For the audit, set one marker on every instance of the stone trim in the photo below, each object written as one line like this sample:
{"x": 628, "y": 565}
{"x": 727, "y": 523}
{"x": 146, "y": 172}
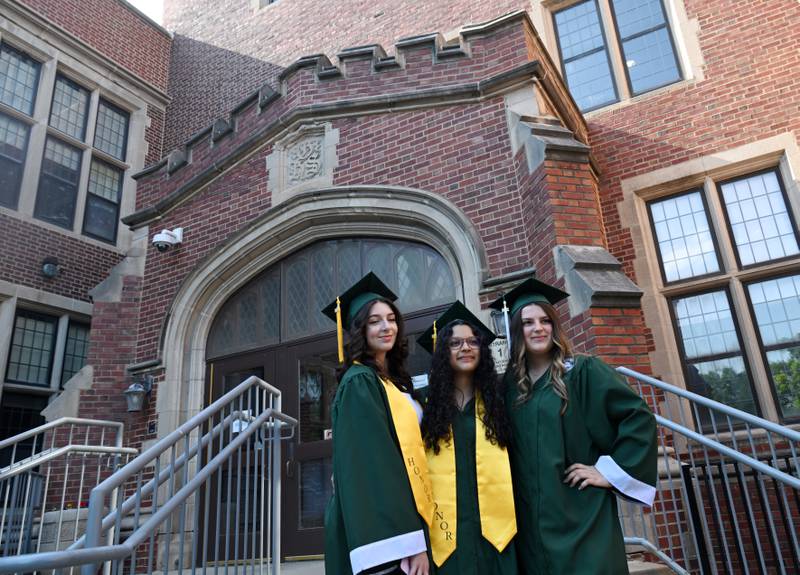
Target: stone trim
{"x": 390, "y": 212}
{"x": 553, "y": 97}
{"x": 302, "y": 160}
{"x": 594, "y": 278}
{"x": 461, "y": 94}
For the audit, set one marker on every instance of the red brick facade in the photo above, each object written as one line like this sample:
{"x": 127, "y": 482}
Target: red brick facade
{"x": 218, "y": 61}
{"x": 751, "y": 91}
{"x": 83, "y": 265}
{"x": 115, "y": 30}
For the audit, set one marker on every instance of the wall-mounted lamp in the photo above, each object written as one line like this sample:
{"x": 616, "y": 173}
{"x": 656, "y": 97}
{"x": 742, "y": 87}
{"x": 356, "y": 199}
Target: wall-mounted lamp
{"x": 136, "y": 392}
{"x": 498, "y": 323}
{"x": 50, "y": 267}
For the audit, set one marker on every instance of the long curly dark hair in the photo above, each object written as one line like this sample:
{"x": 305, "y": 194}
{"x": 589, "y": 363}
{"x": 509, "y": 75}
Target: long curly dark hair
{"x": 440, "y": 408}
{"x": 358, "y": 350}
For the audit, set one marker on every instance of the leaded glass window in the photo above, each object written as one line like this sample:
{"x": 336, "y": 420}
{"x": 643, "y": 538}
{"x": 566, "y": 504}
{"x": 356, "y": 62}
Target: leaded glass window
{"x": 684, "y": 237}
{"x": 19, "y": 79}
{"x": 32, "y": 343}
{"x": 111, "y": 132}
{"x": 584, "y": 56}
{"x": 58, "y": 183}
{"x": 713, "y": 359}
{"x": 75, "y": 350}
{"x": 648, "y": 52}
{"x": 102, "y": 201}
{"x": 760, "y": 223}
{"x": 70, "y": 108}
{"x": 284, "y": 303}
{"x": 13, "y": 147}
{"x": 776, "y": 307}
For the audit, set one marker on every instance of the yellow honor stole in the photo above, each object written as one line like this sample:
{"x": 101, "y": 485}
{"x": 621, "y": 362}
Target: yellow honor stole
{"x": 406, "y": 426}
{"x": 495, "y": 493}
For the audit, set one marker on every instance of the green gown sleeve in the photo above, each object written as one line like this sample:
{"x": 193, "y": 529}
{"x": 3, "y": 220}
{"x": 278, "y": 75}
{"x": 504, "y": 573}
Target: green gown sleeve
{"x": 622, "y": 426}
{"x": 378, "y": 512}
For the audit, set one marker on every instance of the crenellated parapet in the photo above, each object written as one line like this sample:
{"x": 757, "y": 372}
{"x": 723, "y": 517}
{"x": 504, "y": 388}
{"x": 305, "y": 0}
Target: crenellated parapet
{"x": 484, "y": 61}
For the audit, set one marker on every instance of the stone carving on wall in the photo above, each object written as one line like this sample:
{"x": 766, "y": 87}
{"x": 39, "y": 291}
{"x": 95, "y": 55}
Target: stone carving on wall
{"x": 305, "y": 160}
{"x": 301, "y": 160}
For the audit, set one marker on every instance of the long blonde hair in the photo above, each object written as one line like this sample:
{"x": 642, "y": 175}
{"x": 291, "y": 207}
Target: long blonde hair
{"x": 560, "y": 353}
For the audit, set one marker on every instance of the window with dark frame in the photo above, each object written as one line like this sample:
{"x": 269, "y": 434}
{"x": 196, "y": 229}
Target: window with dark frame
{"x": 13, "y": 149}
{"x": 711, "y": 350}
{"x": 761, "y": 230}
{"x": 63, "y": 168}
{"x": 686, "y": 243}
{"x": 19, "y": 81}
{"x": 30, "y": 358}
{"x": 70, "y": 108}
{"x": 584, "y": 55}
{"x": 641, "y": 30}
{"x": 58, "y": 183}
{"x": 648, "y": 51}
{"x": 775, "y": 306}
{"x": 761, "y": 226}
{"x": 76, "y": 349}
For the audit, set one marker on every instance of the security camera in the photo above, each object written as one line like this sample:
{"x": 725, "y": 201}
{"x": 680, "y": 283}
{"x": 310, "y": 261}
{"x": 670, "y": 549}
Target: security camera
{"x": 165, "y": 239}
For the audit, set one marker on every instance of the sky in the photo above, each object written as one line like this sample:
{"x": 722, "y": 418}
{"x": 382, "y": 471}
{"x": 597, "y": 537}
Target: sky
{"x": 153, "y": 8}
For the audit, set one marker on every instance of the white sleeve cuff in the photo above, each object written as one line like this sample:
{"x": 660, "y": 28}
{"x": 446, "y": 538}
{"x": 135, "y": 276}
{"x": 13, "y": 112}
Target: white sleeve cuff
{"x": 386, "y": 550}
{"x": 624, "y": 483}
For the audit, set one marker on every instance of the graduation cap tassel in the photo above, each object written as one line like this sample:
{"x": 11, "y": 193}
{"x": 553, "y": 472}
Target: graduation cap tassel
{"x": 339, "y": 335}
{"x": 508, "y": 328}
{"x": 433, "y": 337}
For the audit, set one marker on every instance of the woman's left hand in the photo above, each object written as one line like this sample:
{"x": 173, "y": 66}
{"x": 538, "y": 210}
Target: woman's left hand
{"x": 584, "y": 476}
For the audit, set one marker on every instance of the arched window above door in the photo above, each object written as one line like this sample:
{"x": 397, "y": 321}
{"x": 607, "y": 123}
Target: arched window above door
{"x": 283, "y": 303}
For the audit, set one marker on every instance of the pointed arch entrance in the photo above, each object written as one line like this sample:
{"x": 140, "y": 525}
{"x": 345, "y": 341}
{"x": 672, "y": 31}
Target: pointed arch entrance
{"x": 396, "y": 217}
{"x": 273, "y": 328}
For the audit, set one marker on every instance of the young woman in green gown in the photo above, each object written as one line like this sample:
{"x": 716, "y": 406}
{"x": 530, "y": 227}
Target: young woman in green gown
{"x": 581, "y": 437}
{"x": 376, "y": 521}
{"x": 466, "y": 431}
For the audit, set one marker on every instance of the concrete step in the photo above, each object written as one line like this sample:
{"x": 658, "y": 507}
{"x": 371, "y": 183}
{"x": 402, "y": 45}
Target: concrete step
{"x": 318, "y": 568}
{"x": 303, "y": 568}
{"x": 639, "y": 567}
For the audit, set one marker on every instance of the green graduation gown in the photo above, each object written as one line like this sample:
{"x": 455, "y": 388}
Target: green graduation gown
{"x": 473, "y": 555}
{"x": 564, "y": 531}
{"x": 372, "y": 518}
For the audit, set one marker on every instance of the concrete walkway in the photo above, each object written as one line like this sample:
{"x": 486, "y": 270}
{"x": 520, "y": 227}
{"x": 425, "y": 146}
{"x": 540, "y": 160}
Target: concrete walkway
{"x": 303, "y": 568}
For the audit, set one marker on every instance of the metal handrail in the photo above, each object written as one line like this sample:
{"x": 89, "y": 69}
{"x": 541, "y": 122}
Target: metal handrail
{"x": 759, "y": 466}
{"x": 8, "y": 442}
{"x": 51, "y": 454}
{"x": 713, "y": 498}
{"x": 98, "y": 554}
{"x": 711, "y": 404}
{"x": 164, "y": 475}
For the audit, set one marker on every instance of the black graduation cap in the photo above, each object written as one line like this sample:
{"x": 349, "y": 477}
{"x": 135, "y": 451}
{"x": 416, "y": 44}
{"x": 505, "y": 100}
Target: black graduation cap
{"x": 528, "y": 292}
{"x": 458, "y": 310}
{"x": 345, "y": 307}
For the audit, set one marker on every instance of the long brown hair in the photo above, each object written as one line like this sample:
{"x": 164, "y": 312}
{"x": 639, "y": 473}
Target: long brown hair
{"x": 394, "y": 367}
{"x": 560, "y": 352}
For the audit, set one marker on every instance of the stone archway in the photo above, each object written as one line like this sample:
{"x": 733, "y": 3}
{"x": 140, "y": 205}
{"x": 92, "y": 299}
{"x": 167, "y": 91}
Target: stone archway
{"x": 352, "y": 211}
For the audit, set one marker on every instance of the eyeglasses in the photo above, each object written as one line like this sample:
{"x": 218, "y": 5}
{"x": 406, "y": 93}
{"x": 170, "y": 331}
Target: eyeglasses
{"x": 456, "y": 342}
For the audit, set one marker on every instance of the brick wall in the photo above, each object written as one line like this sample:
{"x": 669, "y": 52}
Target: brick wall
{"x": 751, "y": 91}
{"x": 115, "y": 30}
{"x": 32, "y": 243}
{"x": 225, "y": 49}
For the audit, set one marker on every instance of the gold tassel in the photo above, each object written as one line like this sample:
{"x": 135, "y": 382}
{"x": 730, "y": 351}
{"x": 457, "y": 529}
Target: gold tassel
{"x": 433, "y": 337}
{"x": 339, "y": 335}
